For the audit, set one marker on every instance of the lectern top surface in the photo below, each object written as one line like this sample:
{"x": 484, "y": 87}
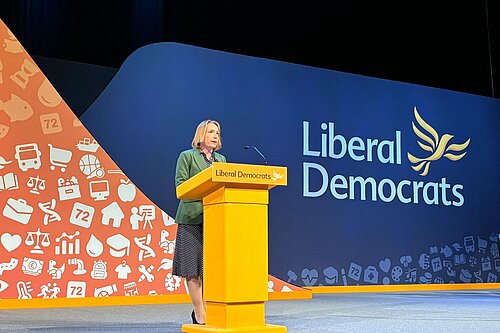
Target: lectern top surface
{"x": 232, "y": 175}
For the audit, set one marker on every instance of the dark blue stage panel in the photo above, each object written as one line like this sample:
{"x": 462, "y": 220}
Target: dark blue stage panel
{"x": 389, "y": 183}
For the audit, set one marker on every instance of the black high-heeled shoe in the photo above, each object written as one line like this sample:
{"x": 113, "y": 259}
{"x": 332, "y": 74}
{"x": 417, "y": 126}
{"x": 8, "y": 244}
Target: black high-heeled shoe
{"x": 193, "y": 317}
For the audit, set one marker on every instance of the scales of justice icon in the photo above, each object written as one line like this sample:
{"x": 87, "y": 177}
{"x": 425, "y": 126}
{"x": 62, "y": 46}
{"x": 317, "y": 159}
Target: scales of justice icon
{"x": 36, "y": 184}
{"x": 42, "y": 238}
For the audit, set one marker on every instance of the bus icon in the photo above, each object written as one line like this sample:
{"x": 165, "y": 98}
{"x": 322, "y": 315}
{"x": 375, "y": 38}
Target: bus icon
{"x": 28, "y": 156}
{"x": 469, "y": 244}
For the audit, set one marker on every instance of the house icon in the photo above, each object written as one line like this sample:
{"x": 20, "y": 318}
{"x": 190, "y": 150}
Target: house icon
{"x": 113, "y": 214}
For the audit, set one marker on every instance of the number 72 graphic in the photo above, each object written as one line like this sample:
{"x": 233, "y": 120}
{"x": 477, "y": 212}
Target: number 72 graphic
{"x": 81, "y": 215}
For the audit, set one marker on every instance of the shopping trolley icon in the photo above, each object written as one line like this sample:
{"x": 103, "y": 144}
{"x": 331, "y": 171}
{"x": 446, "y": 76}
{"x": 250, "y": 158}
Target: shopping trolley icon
{"x": 59, "y": 158}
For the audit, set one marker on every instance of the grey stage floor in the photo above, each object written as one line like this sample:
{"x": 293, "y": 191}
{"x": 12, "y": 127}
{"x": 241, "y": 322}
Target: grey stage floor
{"x": 454, "y": 311}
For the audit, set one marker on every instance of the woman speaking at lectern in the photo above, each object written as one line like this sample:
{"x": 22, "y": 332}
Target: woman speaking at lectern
{"x": 188, "y": 256}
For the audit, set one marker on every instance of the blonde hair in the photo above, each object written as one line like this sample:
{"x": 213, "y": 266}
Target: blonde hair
{"x": 201, "y": 130}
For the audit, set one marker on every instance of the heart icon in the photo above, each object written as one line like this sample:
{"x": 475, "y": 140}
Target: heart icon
{"x": 10, "y": 242}
{"x": 309, "y": 277}
{"x": 385, "y": 264}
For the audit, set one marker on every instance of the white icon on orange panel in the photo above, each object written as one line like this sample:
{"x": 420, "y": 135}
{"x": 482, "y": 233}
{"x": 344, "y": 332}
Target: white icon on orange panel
{"x": 77, "y": 122}
{"x": 94, "y": 247}
{"x": 91, "y": 166}
{"x": 119, "y": 246}
{"x": 130, "y": 289}
{"x": 11, "y": 44}
{"x": 24, "y": 290}
{"x": 167, "y": 219}
{"x": 67, "y": 244}
{"x": 116, "y": 171}
{"x": 126, "y": 190}
{"x": 81, "y": 215}
{"x": 47, "y": 95}
{"x": 10, "y": 242}
{"x": 16, "y": 108}
{"x": 36, "y": 184}
{"x": 99, "y": 270}
{"x": 172, "y": 282}
{"x": 38, "y": 239}
{"x": 149, "y": 214}
{"x": 59, "y": 157}
{"x": 50, "y": 214}
{"x": 145, "y": 250}
{"x": 3, "y": 285}
{"x": 4, "y": 129}
{"x": 50, "y": 123}
{"x": 68, "y": 189}
{"x": 8, "y": 266}
{"x": 80, "y": 266}
{"x": 123, "y": 270}
{"x": 167, "y": 245}
{"x": 99, "y": 189}
{"x": 8, "y": 182}
{"x": 112, "y": 214}
{"x": 87, "y": 145}
{"x": 32, "y": 266}
{"x": 22, "y": 76}
{"x": 3, "y": 161}
{"x": 105, "y": 291}
{"x": 18, "y": 210}
{"x": 49, "y": 291}
{"x": 54, "y": 271}
{"x": 28, "y": 156}
{"x": 270, "y": 286}
{"x": 135, "y": 218}
{"x": 76, "y": 289}
{"x": 166, "y": 264}
{"x": 146, "y": 273}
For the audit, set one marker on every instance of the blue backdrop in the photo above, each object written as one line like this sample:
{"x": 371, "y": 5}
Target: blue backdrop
{"x": 355, "y": 211}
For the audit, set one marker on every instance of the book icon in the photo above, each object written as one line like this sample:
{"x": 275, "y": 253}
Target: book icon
{"x": 8, "y": 182}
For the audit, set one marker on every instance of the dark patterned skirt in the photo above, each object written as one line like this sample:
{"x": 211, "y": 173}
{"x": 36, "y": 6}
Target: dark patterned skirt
{"x": 188, "y": 255}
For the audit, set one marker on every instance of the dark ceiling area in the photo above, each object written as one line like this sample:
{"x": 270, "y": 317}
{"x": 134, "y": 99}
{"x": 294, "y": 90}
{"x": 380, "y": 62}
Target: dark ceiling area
{"x": 444, "y": 44}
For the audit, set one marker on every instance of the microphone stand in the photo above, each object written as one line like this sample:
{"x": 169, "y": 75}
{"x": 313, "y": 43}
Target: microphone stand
{"x": 258, "y": 152}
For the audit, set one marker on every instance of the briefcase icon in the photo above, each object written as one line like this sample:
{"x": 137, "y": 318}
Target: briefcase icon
{"x": 18, "y": 210}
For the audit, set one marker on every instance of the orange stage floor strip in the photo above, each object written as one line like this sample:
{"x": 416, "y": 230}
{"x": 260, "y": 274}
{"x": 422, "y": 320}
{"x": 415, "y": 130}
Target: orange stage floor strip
{"x": 302, "y": 294}
{"x": 184, "y": 298}
{"x": 401, "y": 287}
{"x": 124, "y": 300}
{"x": 92, "y": 301}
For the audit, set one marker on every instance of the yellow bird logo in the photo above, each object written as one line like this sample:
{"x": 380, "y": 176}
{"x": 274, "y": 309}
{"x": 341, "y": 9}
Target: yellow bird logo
{"x": 438, "y": 146}
{"x": 276, "y": 176}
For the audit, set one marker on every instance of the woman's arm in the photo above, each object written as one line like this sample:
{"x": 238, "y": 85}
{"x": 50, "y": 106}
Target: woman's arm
{"x": 182, "y": 169}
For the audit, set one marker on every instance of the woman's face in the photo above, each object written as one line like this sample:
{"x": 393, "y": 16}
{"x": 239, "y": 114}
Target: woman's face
{"x": 211, "y": 139}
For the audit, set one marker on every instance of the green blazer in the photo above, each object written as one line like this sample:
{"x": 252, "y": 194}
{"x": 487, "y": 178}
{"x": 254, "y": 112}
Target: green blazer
{"x": 189, "y": 163}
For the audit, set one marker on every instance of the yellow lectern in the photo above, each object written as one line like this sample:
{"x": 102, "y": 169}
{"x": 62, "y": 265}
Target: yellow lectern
{"x": 235, "y": 198}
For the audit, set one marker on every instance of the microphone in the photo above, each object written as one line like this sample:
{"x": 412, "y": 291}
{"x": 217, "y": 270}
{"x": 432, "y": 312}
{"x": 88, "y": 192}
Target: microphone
{"x": 212, "y": 152}
{"x": 258, "y": 151}
{"x": 201, "y": 143}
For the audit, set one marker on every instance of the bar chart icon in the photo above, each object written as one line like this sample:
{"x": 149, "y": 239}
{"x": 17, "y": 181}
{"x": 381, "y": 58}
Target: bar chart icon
{"x": 68, "y": 244}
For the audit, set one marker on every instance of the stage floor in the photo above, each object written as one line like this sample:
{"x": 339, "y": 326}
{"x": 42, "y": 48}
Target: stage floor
{"x": 409, "y": 312}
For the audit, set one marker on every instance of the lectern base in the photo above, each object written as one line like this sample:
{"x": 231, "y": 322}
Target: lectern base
{"x": 190, "y": 328}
